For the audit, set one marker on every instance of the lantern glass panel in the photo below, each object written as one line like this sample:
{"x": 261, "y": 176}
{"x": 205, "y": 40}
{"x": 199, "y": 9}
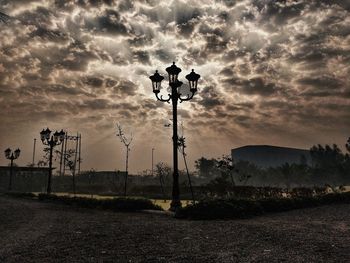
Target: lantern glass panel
{"x": 156, "y": 86}
{"x": 173, "y": 72}
{"x": 55, "y": 136}
{"x": 47, "y": 133}
{"x": 62, "y": 135}
{"x": 193, "y": 85}
{"x": 172, "y": 78}
{"x": 42, "y": 135}
{"x": 7, "y": 152}
{"x": 17, "y": 153}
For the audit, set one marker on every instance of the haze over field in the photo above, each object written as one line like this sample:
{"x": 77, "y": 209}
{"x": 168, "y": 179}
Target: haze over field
{"x": 272, "y": 72}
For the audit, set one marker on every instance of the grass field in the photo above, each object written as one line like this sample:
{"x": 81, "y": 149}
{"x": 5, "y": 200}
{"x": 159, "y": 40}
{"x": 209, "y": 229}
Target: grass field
{"x": 165, "y": 204}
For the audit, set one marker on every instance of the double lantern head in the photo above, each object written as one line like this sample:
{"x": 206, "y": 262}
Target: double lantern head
{"x": 57, "y": 136}
{"x": 45, "y": 134}
{"x": 12, "y": 155}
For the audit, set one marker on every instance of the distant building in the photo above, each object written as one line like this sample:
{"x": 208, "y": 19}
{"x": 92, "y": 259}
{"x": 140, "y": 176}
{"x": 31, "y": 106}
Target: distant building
{"x": 25, "y": 179}
{"x": 270, "y": 156}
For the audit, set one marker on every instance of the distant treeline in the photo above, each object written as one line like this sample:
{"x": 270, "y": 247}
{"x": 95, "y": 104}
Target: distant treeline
{"x": 212, "y": 177}
{"x": 329, "y": 166}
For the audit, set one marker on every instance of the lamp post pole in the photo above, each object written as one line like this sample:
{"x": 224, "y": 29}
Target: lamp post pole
{"x": 33, "y": 161}
{"x": 11, "y": 156}
{"x": 50, "y": 168}
{"x": 152, "y": 161}
{"x": 175, "y": 203}
{"x": 174, "y": 97}
{"x": 56, "y": 139}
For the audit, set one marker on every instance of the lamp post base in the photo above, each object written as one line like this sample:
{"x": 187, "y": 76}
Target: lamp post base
{"x": 174, "y": 205}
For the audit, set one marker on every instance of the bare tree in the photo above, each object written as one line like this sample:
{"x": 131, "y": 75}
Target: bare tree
{"x": 70, "y": 161}
{"x": 45, "y": 158}
{"x": 163, "y": 170}
{"x": 126, "y": 141}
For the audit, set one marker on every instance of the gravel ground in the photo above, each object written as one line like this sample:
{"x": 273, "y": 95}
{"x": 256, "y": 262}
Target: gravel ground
{"x": 31, "y": 231}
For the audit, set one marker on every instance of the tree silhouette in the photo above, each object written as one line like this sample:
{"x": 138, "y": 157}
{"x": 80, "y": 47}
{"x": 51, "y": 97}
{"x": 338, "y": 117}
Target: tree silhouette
{"x": 328, "y": 163}
{"x": 163, "y": 172}
{"x": 126, "y": 141}
{"x": 207, "y": 168}
{"x": 226, "y": 167}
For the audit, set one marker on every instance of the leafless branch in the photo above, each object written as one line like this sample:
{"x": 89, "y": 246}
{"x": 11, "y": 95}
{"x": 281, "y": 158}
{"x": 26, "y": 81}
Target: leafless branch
{"x": 123, "y": 138}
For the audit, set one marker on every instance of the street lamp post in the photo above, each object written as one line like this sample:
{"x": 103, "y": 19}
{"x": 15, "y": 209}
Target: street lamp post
{"x": 11, "y": 156}
{"x": 174, "y": 97}
{"x": 56, "y": 139}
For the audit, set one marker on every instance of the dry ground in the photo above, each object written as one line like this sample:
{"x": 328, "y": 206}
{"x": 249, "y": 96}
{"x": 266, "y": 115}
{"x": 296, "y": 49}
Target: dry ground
{"x": 31, "y": 231}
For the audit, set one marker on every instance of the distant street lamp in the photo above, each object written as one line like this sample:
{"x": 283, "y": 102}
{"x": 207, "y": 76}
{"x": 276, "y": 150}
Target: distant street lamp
{"x": 11, "y": 156}
{"x": 175, "y": 84}
{"x": 56, "y": 139}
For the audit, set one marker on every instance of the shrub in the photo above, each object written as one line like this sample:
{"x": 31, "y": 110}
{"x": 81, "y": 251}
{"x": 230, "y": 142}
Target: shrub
{"x": 221, "y": 209}
{"x": 335, "y": 198}
{"x": 235, "y": 208}
{"x": 115, "y": 204}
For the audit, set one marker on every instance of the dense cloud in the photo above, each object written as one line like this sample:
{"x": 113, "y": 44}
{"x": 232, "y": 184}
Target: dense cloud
{"x": 272, "y": 72}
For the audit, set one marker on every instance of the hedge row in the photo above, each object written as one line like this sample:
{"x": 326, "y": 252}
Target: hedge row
{"x": 115, "y": 204}
{"x": 235, "y": 208}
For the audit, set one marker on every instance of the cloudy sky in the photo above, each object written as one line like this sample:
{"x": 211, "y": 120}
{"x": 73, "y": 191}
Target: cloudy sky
{"x": 273, "y": 72}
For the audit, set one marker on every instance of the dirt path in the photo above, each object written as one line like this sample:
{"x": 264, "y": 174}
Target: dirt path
{"x": 31, "y": 231}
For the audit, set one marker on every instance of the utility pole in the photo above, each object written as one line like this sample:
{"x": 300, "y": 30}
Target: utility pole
{"x": 75, "y": 162}
{"x": 152, "y": 161}
{"x": 33, "y": 161}
{"x": 126, "y": 168}
{"x": 62, "y": 156}
{"x": 79, "y": 160}
{"x": 65, "y": 153}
